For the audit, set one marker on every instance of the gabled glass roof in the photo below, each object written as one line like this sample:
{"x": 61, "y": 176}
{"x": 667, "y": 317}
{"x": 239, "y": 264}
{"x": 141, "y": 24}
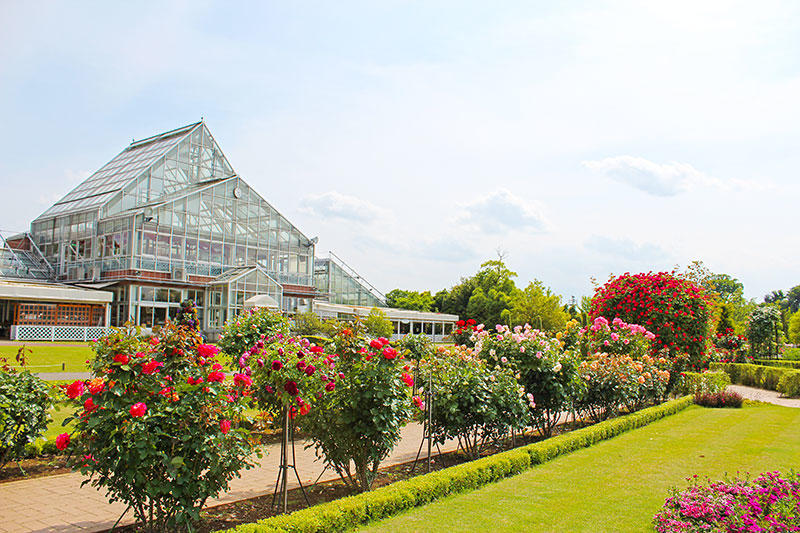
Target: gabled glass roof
{"x": 101, "y": 186}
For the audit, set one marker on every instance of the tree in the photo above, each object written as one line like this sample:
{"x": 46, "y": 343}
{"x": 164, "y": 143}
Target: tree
{"x": 483, "y": 296}
{"x": 725, "y": 322}
{"x": 729, "y": 289}
{"x": 538, "y": 306}
{"x": 794, "y": 328}
{"x": 793, "y": 298}
{"x": 414, "y": 300}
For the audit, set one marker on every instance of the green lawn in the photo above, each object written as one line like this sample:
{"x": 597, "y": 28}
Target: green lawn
{"x": 55, "y": 428}
{"x": 47, "y": 357}
{"x": 619, "y": 484}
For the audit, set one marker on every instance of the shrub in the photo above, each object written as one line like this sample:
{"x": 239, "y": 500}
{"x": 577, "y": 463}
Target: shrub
{"x": 776, "y": 362}
{"x": 784, "y": 380}
{"x": 240, "y": 334}
{"x": 675, "y": 310}
{"x": 612, "y": 381}
{"x": 548, "y": 373}
{"x": 763, "y": 329}
{"x": 359, "y": 422}
{"x": 289, "y": 373}
{"x": 157, "y": 428}
{"x": 767, "y": 503}
{"x": 462, "y": 335}
{"x": 474, "y": 403}
{"x": 377, "y": 325}
{"x": 704, "y": 382}
{"x": 718, "y": 399}
{"x": 419, "y": 346}
{"x": 309, "y": 324}
{"x": 24, "y": 412}
{"x": 349, "y": 513}
{"x": 187, "y": 315}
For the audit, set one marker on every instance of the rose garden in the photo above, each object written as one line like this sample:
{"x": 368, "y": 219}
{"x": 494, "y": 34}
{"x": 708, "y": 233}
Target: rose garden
{"x": 544, "y": 420}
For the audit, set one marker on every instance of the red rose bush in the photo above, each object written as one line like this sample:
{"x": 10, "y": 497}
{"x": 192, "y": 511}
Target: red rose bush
{"x": 677, "y": 311}
{"x": 357, "y": 422}
{"x": 157, "y": 427}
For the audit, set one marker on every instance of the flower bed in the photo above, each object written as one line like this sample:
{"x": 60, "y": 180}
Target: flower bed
{"x": 767, "y": 503}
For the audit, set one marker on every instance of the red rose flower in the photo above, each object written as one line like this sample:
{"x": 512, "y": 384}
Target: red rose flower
{"x": 301, "y": 365}
{"x": 375, "y": 344}
{"x": 304, "y": 409}
{"x": 389, "y": 352}
{"x": 89, "y": 405}
{"x": 291, "y": 388}
{"x": 329, "y": 386}
{"x": 75, "y": 389}
{"x": 461, "y": 323}
{"x": 207, "y": 350}
{"x": 277, "y": 365}
{"x": 242, "y": 380}
{"x": 224, "y": 426}
{"x": 62, "y": 441}
{"x": 310, "y": 369}
{"x": 121, "y": 358}
{"x": 151, "y": 367}
{"x": 138, "y": 409}
{"x": 408, "y": 379}
{"x": 216, "y": 376}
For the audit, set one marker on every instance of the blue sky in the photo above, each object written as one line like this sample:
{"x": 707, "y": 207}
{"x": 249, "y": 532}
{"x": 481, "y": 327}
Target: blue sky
{"x": 417, "y": 138}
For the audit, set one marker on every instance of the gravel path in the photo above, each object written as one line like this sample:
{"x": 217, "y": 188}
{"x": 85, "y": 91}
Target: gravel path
{"x": 762, "y": 395}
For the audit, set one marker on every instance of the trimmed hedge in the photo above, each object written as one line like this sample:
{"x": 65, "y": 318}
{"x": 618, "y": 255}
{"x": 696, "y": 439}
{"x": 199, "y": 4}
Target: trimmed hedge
{"x": 777, "y": 362}
{"x": 711, "y": 382}
{"x": 784, "y": 380}
{"x": 350, "y": 512}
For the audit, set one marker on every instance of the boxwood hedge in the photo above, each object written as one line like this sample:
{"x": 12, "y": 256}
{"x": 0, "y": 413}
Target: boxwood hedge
{"x": 784, "y": 380}
{"x": 352, "y": 511}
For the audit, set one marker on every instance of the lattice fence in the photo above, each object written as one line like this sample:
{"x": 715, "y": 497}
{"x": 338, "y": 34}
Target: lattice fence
{"x": 56, "y": 333}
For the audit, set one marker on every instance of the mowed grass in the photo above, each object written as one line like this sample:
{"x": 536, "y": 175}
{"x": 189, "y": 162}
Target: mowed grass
{"x": 48, "y": 357}
{"x": 619, "y": 484}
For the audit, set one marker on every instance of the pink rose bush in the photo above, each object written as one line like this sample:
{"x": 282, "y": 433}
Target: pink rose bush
{"x": 159, "y": 424}
{"x": 475, "y": 402}
{"x": 771, "y": 502}
{"x": 544, "y": 369}
{"x": 288, "y": 372}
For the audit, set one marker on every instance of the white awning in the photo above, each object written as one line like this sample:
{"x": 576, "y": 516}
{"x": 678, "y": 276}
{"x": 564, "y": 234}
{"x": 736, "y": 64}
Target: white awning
{"x": 262, "y": 300}
{"x": 51, "y": 292}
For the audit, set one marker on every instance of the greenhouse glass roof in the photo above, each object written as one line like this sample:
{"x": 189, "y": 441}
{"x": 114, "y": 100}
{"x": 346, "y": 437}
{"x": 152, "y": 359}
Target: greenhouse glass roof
{"x": 101, "y": 186}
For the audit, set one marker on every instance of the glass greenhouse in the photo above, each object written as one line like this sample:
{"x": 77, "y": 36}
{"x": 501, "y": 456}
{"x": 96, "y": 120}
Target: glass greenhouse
{"x": 165, "y": 220}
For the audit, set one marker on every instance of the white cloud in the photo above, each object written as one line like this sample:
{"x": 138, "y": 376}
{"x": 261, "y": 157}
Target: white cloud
{"x": 333, "y": 204}
{"x": 625, "y": 249}
{"x": 503, "y": 211}
{"x": 663, "y": 179}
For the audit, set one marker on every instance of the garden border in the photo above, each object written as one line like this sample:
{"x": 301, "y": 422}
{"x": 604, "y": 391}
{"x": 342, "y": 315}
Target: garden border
{"x": 352, "y": 511}
{"x": 780, "y": 379}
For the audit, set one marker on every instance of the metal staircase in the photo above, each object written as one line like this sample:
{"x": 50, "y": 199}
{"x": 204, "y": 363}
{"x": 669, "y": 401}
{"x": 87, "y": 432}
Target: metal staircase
{"x": 21, "y": 258}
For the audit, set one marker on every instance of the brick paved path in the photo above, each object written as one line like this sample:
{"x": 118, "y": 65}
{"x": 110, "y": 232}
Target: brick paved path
{"x": 60, "y": 504}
